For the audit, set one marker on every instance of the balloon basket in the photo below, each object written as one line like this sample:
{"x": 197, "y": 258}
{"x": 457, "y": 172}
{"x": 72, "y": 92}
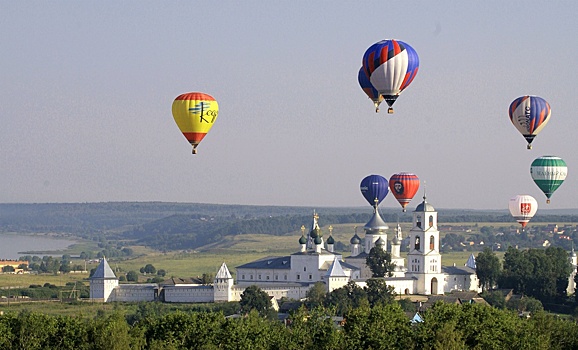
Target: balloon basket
{"x": 390, "y": 110}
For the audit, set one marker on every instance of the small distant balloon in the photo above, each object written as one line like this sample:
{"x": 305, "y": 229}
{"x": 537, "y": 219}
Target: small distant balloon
{"x": 195, "y": 113}
{"x": 369, "y": 90}
{"x": 523, "y": 207}
{"x": 391, "y": 65}
{"x": 403, "y": 186}
{"x": 548, "y": 172}
{"x": 374, "y": 188}
{"x": 529, "y": 114}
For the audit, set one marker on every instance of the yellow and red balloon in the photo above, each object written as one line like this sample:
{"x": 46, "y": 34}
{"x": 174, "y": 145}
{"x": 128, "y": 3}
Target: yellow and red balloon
{"x": 195, "y": 113}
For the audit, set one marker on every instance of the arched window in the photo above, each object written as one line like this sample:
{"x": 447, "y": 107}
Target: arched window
{"x": 416, "y": 245}
{"x": 418, "y": 221}
{"x": 430, "y": 220}
{"x": 431, "y": 242}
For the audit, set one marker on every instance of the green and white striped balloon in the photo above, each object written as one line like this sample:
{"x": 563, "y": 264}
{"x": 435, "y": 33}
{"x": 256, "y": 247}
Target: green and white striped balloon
{"x": 548, "y": 172}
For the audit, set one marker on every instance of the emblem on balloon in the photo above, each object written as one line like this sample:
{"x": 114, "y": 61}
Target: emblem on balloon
{"x": 195, "y": 113}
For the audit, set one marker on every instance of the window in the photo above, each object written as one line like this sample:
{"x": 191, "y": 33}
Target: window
{"x": 267, "y": 277}
{"x": 251, "y": 276}
{"x": 418, "y": 221}
{"x": 430, "y": 220}
{"x": 310, "y": 277}
{"x": 304, "y": 268}
{"x": 285, "y": 277}
{"x": 298, "y": 277}
{"x": 431, "y": 242}
{"x": 416, "y": 245}
{"x": 242, "y": 277}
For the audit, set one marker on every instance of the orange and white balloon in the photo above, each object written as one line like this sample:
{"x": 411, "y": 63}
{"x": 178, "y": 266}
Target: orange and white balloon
{"x": 523, "y": 207}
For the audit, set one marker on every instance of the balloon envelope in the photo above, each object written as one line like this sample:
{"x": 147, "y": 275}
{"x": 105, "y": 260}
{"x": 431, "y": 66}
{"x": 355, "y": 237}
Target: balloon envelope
{"x": 548, "y": 172}
{"x": 374, "y": 188}
{"x": 523, "y": 207}
{"x": 529, "y": 114}
{"x": 391, "y": 65}
{"x": 369, "y": 90}
{"x": 404, "y": 186}
{"x": 195, "y": 113}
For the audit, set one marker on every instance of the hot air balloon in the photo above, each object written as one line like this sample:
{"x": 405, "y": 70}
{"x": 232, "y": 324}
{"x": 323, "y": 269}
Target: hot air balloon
{"x": 195, "y": 113}
{"x": 523, "y": 207}
{"x": 369, "y": 89}
{"x": 529, "y": 114}
{"x": 548, "y": 172}
{"x": 374, "y": 189}
{"x": 403, "y": 186}
{"x": 391, "y": 65}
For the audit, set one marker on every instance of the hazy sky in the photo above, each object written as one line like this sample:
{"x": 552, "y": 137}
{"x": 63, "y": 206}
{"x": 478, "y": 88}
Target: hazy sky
{"x": 86, "y": 89}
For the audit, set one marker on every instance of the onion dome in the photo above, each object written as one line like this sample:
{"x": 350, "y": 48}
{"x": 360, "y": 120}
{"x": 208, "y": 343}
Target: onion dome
{"x": 318, "y": 240}
{"x": 316, "y": 232}
{"x": 330, "y": 240}
{"x": 424, "y": 206}
{"x": 380, "y": 242}
{"x": 355, "y": 239}
{"x": 303, "y": 240}
{"x": 376, "y": 223}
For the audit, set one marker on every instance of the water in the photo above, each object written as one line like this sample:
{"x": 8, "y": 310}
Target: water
{"x": 12, "y": 246}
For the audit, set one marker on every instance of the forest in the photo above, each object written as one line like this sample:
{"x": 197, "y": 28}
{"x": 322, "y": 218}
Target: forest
{"x": 383, "y": 326}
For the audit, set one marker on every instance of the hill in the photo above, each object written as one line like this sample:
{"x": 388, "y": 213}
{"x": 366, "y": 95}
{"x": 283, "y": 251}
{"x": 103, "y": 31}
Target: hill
{"x": 169, "y": 226}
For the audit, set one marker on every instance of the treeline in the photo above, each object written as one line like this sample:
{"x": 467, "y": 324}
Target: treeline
{"x": 538, "y": 273}
{"x": 444, "y": 326}
{"x": 192, "y": 231}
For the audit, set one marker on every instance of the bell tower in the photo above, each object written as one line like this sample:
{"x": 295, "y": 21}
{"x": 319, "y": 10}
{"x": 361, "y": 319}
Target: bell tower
{"x": 424, "y": 258}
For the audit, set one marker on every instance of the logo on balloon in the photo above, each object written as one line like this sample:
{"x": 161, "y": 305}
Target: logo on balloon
{"x": 525, "y": 208}
{"x": 201, "y": 109}
{"x": 398, "y": 187}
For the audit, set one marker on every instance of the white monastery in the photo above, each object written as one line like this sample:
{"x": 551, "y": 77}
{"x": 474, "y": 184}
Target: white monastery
{"x": 292, "y": 276}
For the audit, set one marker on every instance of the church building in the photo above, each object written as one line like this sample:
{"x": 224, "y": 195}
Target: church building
{"x": 293, "y": 275}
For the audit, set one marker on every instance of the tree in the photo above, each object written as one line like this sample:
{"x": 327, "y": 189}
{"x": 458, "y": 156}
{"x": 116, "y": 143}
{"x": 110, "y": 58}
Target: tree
{"x": 132, "y": 276}
{"x": 253, "y": 298}
{"x": 207, "y": 278}
{"x": 315, "y": 295}
{"x": 148, "y": 269}
{"x": 348, "y": 297}
{"x": 161, "y": 273}
{"x": 488, "y": 269}
{"x": 378, "y": 292}
{"x": 7, "y": 268}
{"x": 379, "y": 262}
{"x": 496, "y": 299}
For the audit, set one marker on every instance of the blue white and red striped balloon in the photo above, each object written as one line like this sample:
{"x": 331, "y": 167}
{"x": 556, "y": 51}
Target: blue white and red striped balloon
{"x": 391, "y": 66}
{"x": 529, "y": 114}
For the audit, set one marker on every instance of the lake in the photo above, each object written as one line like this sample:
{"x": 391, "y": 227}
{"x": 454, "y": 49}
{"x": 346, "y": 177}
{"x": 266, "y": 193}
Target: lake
{"x": 11, "y": 245}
